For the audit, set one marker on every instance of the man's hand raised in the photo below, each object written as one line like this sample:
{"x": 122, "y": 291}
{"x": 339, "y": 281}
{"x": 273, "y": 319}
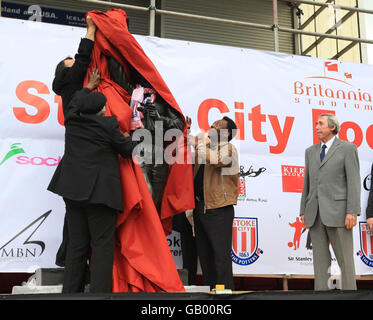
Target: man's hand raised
{"x": 93, "y": 79}
{"x": 91, "y": 29}
{"x": 90, "y": 23}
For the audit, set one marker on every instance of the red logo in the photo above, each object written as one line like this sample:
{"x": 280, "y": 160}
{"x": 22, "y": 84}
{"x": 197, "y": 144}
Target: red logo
{"x": 348, "y": 75}
{"x": 299, "y": 228}
{"x": 241, "y": 187}
{"x": 330, "y": 66}
{"x": 245, "y": 249}
{"x": 292, "y": 178}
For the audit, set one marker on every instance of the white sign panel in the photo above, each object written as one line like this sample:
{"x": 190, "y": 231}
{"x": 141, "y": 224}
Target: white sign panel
{"x": 274, "y": 99}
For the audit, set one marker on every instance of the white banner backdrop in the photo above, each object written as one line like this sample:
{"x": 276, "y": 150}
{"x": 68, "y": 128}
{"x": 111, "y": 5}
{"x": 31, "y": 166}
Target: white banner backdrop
{"x": 274, "y": 98}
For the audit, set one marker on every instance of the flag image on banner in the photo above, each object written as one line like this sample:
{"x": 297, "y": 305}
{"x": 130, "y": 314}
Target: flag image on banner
{"x": 331, "y": 66}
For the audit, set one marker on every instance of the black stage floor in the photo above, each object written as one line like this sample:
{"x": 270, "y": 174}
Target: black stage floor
{"x": 163, "y": 296}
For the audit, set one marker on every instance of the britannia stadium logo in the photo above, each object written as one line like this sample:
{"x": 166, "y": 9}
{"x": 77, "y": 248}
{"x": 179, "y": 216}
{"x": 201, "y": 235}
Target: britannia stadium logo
{"x": 245, "y": 249}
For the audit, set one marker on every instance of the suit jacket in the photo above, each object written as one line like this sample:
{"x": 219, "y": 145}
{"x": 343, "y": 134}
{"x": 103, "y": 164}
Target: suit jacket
{"x": 89, "y": 169}
{"x": 70, "y": 79}
{"x": 332, "y": 186}
{"x": 369, "y": 210}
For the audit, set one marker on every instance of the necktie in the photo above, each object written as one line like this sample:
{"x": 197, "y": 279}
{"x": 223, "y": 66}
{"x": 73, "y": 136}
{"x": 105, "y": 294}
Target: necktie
{"x": 322, "y": 154}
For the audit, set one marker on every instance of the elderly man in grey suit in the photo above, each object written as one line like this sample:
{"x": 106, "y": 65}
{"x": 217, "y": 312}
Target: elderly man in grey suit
{"x": 330, "y": 202}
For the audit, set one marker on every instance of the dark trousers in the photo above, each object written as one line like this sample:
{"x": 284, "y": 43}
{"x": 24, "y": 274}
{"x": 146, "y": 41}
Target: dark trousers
{"x": 213, "y": 231}
{"x": 91, "y": 229}
{"x": 188, "y": 245}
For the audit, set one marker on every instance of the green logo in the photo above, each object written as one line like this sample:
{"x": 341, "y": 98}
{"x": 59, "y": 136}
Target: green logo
{"x": 15, "y": 148}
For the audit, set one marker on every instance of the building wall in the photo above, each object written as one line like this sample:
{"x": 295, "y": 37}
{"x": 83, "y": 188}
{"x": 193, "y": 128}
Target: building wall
{"x": 256, "y": 11}
{"x": 138, "y": 20}
{"x": 331, "y": 48}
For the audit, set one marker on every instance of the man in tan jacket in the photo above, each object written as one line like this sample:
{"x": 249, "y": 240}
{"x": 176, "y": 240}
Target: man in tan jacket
{"x": 216, "y": 191}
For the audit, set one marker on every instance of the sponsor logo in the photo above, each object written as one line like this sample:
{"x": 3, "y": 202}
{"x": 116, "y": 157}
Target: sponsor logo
{"x": 334, "y": 87}
{"x": 299, "y": 256}
{"x": 15, "y": 149}
{"x": 366, "y": 244}
{"x": 299, "y": 230}
{"x": 38, "y": 161}
{"x": 18, "y": 247}
{"x": 292, "y": 178}
{"x": 367, "y": 183}
{"x": 241, "y": 188}
{"x": 251, "y": 173}
{"x": 245, "y": 250}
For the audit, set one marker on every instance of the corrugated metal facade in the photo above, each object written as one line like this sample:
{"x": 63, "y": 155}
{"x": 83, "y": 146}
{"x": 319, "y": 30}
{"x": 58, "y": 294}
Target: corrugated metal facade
{"x": 139, "y": 21}
{"x": 257, "y": 11}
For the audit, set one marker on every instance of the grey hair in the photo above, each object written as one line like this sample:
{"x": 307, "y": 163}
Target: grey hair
{"x": 332, "y": 121}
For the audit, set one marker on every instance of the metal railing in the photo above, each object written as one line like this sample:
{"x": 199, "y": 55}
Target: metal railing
{"x": 275, "y": 27}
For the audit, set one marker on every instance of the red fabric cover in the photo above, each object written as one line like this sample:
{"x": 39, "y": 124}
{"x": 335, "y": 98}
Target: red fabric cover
{"x": 142, "y": 260}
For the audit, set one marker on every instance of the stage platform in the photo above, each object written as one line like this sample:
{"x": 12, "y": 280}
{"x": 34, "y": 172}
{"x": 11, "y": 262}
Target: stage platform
{"x": 211, "y": 296}
{"x": 237, "y": 305}
{"x": 43, "y": 292}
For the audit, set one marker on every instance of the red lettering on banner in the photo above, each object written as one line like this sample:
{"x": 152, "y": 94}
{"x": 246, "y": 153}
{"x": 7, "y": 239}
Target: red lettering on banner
{"x": 357, "y": 131}
{"x": 369, "y": 136}
{"x": 320, "y": 91}
{"x": 40, "y": 104}
{"x": 315, "y": 115}
{"x": 344, "y": 127}
{"x": 256, "y": 117}
{"x": 282, "y": 136}
{"x": 244, "y": 223}
{"x": 205, "y": 107}
{"x": 240, "y": 120}
{"x": 258, "y": 120}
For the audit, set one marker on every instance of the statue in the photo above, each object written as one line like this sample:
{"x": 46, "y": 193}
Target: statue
{"x": 149, "y": 111}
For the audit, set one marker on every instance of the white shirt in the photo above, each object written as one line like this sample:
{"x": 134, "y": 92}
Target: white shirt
{"x": 328, "y": 145}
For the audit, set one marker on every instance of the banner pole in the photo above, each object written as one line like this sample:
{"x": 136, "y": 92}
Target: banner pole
{"x": 275, "y": 24}
{"x": 152, "y": 9}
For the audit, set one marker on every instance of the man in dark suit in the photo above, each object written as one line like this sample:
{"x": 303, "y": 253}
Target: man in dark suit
{"x": 69, "y": 78}
{"x": 70, "y": 73}
{"x": 88, "y": 180}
